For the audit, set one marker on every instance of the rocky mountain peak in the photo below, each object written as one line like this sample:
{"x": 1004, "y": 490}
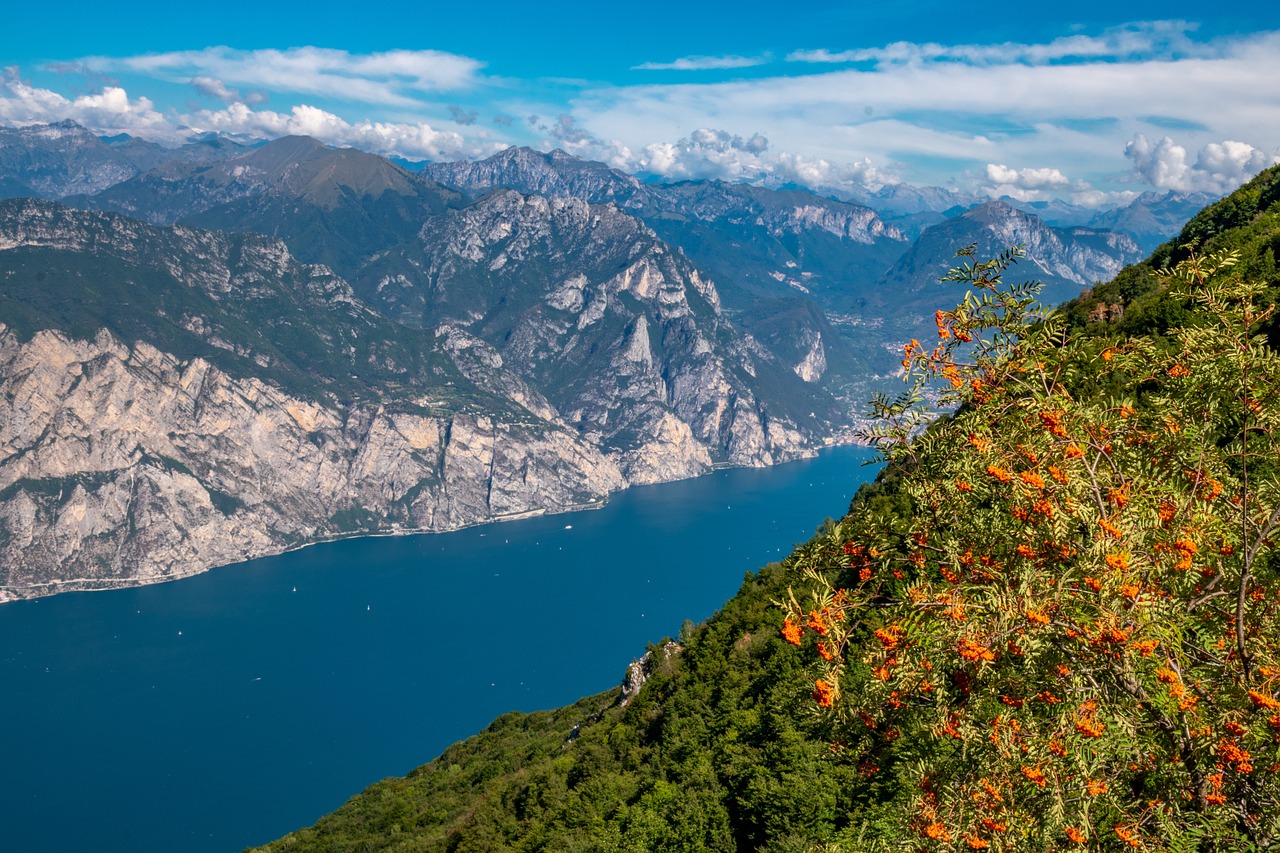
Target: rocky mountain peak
{"x": 557, "y": 173}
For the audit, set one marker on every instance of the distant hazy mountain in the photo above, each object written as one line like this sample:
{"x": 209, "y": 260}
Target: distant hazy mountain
{"x": 1150, "y": 219}
{"x": 64, "y": 159}
{"x": 294, "y": 169}
{"x": 1066, "y": 260}
{"x": 1153, "y": 218}
{"x": 340, "y": 207}
{"x": 533, "y": 172}
{"x": 790, "y": 211}
{"x": 908, "y": 208}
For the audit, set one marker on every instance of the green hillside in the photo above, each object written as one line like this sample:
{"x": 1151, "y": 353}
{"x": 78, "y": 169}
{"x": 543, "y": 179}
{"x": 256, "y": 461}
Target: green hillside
{"x": 1051, "y": 624}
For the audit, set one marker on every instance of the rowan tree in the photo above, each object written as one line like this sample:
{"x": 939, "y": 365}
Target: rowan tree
{"x": 1072, "y": 640}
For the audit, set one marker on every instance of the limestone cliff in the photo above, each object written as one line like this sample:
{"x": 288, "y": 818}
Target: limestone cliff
{"x": 121, "y": 464}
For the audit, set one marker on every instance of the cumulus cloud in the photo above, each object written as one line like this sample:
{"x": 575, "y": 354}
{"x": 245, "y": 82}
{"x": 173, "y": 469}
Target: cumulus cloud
{"x": 1219, "y": 167}
{"x": 414, "y": 140}
{"x": 1025, "y": 184}
{"x": 108, "y": 111}
{"x": 703, "y": 63}
{"x": 708, "y": 153}
{"x": 394, "y": 77}
{"x": 818, "y": 173}
{"x": 1027, "y": 179}
{"x": 718, "y": 154}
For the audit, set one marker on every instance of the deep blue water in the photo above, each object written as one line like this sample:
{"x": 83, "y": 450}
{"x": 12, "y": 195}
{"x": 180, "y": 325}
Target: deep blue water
{"x": 230, "y": 708}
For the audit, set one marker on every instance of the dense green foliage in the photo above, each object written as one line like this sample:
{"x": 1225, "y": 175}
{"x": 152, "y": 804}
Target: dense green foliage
{"x": 1137, "y": 303}
{"x": 717, "y": 752}
{"x": 725, "y": 747}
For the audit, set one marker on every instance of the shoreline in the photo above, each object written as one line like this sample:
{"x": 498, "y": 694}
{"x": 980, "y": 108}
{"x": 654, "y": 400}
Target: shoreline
{"x": 72, "y": 585}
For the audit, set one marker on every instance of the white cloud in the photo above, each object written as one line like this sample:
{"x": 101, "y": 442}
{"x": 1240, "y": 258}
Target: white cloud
{"x": 703, "y": 63}
{"x": 1148, "y": 38}
{"x": 1089, "y": 197}
{"x": 394, "y": 77}
{"x": 1219, "y": 166}
{"x": 940, "y": 116}
{"x": 406, "y": 139}
{"x": 1026, "y": 184}
{"x": 718, "y": 154}
{"x": 108, "y": 111}
{"x": 1027, "y": 179}
{"x": 818, "y": 173}
{"x": 707, "y": 153}
{"x": 211, "y": 87}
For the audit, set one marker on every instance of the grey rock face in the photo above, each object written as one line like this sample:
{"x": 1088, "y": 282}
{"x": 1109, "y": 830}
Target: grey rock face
{"x": 57, "y": 160}
{"x": 638, "y": 671}
{"x": 121, "y": 464}
{"x": 1065, "y": 260}
{"x": 623, "y": 337}
{"x": 529, "y": 171}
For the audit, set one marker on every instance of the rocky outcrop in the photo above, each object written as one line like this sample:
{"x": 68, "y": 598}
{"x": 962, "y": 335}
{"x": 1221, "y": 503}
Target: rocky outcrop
{"x": 121, "y": 464}
{"x": 861, "y": 225}
{"x": 1079, "y": 255}
{"x": 639, "y": 671}
{"x": 553, "y": 174}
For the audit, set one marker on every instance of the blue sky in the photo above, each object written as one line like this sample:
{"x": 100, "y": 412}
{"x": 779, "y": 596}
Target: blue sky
{"x": 1091, "y": 101}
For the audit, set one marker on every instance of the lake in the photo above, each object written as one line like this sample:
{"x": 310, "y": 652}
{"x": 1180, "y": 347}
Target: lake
{"x": 229, "y": 708}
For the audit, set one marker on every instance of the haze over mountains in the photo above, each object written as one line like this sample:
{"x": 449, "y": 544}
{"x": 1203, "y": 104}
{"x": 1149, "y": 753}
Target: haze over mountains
{"x": 220, "y": 351}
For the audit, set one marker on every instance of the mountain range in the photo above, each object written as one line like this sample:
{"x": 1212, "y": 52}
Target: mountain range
{"x": 217, "y": 351}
